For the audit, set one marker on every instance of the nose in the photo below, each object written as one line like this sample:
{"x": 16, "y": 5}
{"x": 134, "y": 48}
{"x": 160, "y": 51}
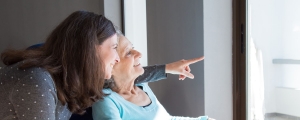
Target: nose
{"x": 117, "y": 58}
{"x": 138, "y": 54}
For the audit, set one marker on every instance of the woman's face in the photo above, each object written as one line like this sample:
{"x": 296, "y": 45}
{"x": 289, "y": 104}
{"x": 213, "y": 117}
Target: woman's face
{"x": 108, "y": 54}
{"x": 129, "y": 66}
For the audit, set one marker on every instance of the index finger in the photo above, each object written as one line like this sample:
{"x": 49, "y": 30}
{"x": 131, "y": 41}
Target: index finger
{"x": 194, "y": 60}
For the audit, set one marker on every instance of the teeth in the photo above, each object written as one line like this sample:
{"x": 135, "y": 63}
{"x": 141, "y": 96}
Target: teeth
{"x": 136, "y": 65}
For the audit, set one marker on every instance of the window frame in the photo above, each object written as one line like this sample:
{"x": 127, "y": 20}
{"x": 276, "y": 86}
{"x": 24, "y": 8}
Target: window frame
{"x": 239, "y": 60}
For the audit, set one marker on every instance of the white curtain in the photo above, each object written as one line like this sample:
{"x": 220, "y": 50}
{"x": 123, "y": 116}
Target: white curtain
{"x": 256, "y": 83}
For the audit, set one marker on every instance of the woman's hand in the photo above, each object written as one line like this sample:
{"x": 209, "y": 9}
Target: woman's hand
{"x": 182, "y": 67}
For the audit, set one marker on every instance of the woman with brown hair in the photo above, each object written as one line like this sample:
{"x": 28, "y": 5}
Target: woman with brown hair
{"x": 63, "y": 76}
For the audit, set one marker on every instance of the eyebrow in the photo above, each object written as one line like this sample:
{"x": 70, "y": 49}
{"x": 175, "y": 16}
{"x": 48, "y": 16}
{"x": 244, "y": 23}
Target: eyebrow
{"x": 126, "y": 49}
{"x": 115, "y": 44}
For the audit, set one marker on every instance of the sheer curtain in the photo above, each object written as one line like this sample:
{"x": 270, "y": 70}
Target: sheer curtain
{"x": 256, "y": 83}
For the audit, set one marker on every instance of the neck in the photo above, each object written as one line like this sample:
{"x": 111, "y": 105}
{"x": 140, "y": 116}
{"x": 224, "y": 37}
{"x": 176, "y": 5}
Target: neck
{"x": 125, "y": 86}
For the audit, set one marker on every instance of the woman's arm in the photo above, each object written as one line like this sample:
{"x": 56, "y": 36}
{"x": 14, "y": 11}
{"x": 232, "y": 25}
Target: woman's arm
{"x": 152, "y": 74}
{"x": 33, "y": 98}
{"x": 158, "y": 72}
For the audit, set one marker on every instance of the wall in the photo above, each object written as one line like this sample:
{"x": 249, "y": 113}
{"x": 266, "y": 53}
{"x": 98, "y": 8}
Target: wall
{"x": 112, "y": 10}
{"x": 290, "y": 42}
{"x": 287, "y": 101}
{"x": 175, "y": 31}
{"x": 24, "y": 23}
{"x": 218, "y": 58}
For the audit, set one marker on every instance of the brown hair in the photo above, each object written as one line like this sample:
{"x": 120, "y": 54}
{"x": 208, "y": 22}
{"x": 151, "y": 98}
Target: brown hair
{"x": 69, "y": 54}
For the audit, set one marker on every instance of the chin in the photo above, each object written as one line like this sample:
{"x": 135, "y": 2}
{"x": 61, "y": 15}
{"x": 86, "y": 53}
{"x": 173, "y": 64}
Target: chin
{"x": 141, "y": 71}
{"x": 107, "y": 76}
{"x": 138, "y": 71}
{"x": 108, "y": 73}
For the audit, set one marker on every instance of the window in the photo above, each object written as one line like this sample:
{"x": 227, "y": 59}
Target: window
{"x": 267, "y": 40}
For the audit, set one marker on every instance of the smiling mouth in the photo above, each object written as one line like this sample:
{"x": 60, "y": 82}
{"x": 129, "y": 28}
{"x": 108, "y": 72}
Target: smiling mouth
{"x": 112, "y": 65}
{"x": 137, "y": 65}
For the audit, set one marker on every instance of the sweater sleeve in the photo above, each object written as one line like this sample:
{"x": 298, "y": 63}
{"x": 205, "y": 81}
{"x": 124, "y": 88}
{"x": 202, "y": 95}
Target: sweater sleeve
{"x": 34, "y": 97}
{"x": 152, "y": 74}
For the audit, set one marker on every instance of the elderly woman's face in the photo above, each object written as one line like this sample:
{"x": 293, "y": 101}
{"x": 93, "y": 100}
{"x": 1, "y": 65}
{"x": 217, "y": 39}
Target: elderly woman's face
{"x": 108, "y": 54}
{"x": 129, "y": 66}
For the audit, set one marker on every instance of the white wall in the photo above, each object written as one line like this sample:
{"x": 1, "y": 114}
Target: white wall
{"x": 290, "y": 41}
{"x": 287, "y": 101}
{"x": 218, "y": 58}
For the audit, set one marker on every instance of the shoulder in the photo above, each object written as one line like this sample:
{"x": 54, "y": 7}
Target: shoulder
{"x": 38, "y": 76}
{"x": 106, "y": 109}
{"x": 109, "y": 107}
{"x": 107, "y": 90}
{"x": 34, "y": 76}
{"x": 35, "y": 82}
{"x": 110, "y": 96}
{"x": 111, "y": 99}
{"x": 34, "y": 89}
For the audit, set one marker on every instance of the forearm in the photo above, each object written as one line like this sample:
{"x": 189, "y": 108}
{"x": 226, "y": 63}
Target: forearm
{"x": 152, "y": 74}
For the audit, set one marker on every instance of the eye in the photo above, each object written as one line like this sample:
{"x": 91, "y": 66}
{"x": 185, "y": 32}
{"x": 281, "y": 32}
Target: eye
{"x": 116, "y": 47}
{"x": 129, "y": 52}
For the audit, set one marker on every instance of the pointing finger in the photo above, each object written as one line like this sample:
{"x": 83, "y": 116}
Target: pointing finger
{"x": 194, "y": 60}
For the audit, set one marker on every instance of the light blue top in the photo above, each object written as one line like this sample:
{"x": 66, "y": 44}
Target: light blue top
{"x": 115, "y": 107}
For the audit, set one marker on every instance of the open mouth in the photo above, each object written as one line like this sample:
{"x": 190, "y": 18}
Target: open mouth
{"x": 137, "y": 65}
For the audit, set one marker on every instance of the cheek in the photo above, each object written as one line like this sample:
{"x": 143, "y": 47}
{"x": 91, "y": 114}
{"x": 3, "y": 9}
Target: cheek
{"x": 108, "y": 57}
{"x": 113, "y": 54}
{"x": 122, "y": 67}
{"x": 116, "y": 54}
{"x": 118, "y": 70}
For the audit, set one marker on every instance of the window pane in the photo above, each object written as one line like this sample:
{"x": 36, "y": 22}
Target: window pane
{"x": 273, "y": 59}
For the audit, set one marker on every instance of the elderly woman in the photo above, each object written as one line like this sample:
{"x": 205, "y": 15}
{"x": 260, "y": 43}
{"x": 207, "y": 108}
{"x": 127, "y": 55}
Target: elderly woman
{"x": 127, "y": 101}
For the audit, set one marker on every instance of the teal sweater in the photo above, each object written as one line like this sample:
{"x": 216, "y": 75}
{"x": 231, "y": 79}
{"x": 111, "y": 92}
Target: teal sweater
{"x": 115, "y": 107}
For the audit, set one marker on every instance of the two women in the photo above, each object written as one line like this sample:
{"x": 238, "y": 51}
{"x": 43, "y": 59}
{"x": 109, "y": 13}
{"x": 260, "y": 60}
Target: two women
{"x": 65, "y": 75}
